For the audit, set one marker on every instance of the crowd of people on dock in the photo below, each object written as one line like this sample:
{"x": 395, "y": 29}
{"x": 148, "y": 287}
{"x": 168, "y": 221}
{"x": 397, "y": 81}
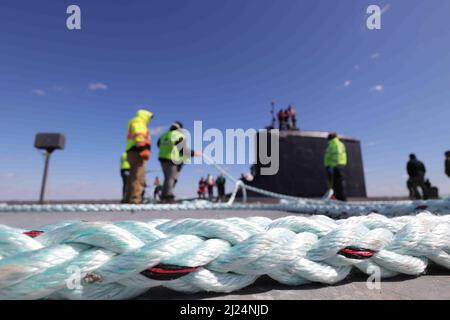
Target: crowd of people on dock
{"x": 417, "y": 178}
{"x": 206, "y": 186}
{"x": 287, "y": 119}
{"x": 173, "y": 152}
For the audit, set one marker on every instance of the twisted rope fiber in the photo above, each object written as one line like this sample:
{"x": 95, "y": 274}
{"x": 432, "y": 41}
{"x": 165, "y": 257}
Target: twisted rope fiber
{"x": 122, "y": 260}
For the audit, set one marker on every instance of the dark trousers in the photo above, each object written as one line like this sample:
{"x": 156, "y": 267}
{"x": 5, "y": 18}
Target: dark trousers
{"x": 201, "y": 195}
{"x": 283, "y": 125}
{"x": 414, "y": 183}
{"x": 294, "y": 122}
{"x": 171, "y": 173}
{"x": 124, "y": 173}
{"x": 157, "y": 192}
{"x": 336, "y": 178}
{"x": 210, "y": 192}
{"x": 221, "y": 191}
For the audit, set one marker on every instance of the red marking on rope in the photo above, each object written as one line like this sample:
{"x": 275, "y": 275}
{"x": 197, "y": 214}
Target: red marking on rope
{"x": 164, "y": 272}
{"x": 168, "y": 271}
{"x": 357, "y": 253}
{"x": 33, "y": 233}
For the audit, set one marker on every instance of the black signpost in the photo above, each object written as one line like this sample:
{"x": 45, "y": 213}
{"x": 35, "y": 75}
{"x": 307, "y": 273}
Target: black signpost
{"x": 48, "y": 142}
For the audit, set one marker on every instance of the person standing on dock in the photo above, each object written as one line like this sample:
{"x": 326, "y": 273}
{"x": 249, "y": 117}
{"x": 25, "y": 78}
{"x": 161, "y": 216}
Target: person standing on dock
{"x": 173, "y": 152}
{"x": 335, "y": 161}
{"x": 447, "y": 163}
{"x": 202, "y": 189}
{"x": 210, "y": 183}
{"x": 138, "y": 153}
{"x": 416, "y": 172}
{"x": 220, "y": 182}
{"x": 157, "y": 189}
{"x": 124, "y": 173}
{"x": 282, "y": 120}
{"x": 292, "y": 117}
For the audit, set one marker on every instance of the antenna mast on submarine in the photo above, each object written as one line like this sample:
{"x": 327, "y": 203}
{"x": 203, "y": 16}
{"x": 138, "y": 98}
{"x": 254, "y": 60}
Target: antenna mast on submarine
{"x": 273, "y": 114}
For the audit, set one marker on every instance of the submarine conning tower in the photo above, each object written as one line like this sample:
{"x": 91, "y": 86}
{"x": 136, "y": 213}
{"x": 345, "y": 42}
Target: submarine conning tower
{"x": 301, "y": 171}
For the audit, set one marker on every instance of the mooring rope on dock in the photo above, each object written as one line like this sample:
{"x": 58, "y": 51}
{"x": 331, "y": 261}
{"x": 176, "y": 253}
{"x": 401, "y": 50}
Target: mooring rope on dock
{"x": 330, "y": 208}
{"x": 334, "y": 209}
{"x": 122, "y": 260}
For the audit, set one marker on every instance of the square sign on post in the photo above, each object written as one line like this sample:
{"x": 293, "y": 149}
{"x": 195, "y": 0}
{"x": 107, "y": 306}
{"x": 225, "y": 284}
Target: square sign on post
{"x": 50, "y": 141}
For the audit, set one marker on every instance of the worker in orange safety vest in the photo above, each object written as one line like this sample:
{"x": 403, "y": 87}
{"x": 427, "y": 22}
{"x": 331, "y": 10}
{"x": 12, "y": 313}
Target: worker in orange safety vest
{"x": 138, "y": 151}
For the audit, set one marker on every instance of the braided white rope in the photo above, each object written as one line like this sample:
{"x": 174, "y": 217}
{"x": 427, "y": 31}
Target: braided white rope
{"x": 228, "y": 254}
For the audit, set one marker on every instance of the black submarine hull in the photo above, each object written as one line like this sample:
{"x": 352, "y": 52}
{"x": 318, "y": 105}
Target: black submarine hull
{"x": 301, "y": 171}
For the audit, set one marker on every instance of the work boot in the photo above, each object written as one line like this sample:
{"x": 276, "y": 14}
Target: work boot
{"x": 167, "y": 200}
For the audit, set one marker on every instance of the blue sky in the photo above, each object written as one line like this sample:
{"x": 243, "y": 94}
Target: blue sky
{"x": 221, "y": 62}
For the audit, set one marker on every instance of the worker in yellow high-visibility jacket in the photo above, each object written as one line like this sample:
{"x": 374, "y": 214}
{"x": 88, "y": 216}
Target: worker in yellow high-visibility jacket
{"x": 173, "y": 153}
{"x": 335, "y": 161}
{"x": 138, "y": 153}
{"x": 124, "y": 173}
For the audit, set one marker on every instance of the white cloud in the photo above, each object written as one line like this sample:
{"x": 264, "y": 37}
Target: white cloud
{"x": 375, "y": 55}
{"x": 97, "y": 86}
{"x": 38, "y": 92}
{"x": 347, "y": 83}
{"x": 58, "y": 88}
{"x": 377, "y": 88}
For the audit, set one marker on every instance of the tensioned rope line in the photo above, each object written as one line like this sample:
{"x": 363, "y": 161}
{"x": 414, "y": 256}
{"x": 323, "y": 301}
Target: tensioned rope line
{"x": 287, "y": 203}
{"x": 121, "y": 260}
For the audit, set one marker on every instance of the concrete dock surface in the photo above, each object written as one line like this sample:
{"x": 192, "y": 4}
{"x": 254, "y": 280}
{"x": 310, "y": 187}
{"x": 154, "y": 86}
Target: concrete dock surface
{"x": 435, "y": 285}
{"x": 34, "y": 220}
